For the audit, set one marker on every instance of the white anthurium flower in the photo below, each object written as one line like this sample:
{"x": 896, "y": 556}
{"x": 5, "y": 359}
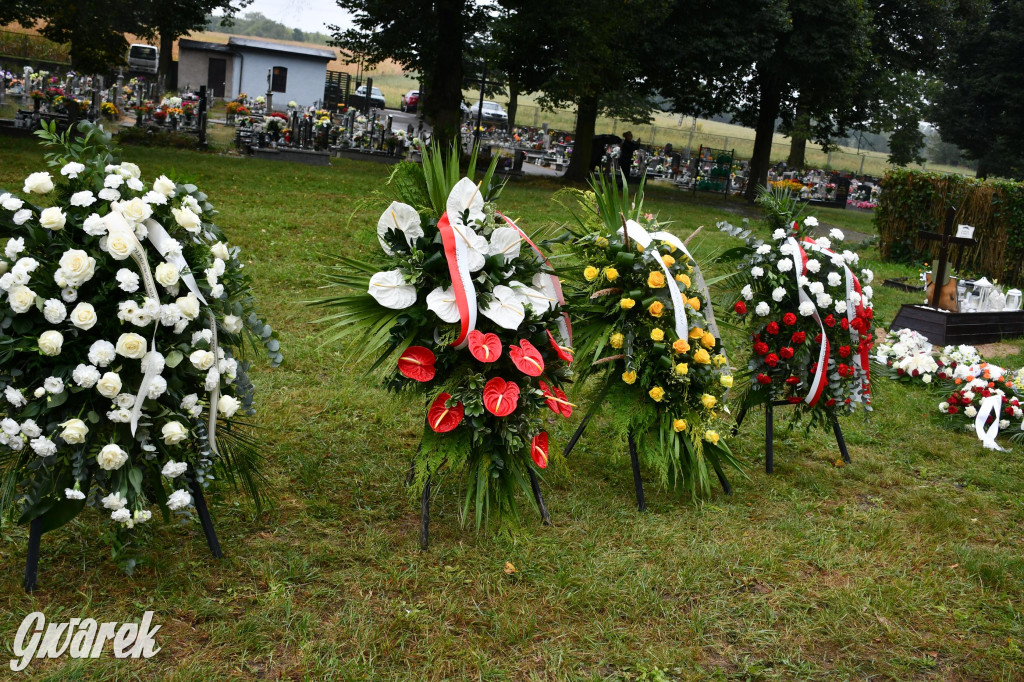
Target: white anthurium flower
{"x": 401, "y": 217}
{"x": 465, "y": 196}
{"x": 528, "y": 296}
{"x": 442, "y": 303}
{"x": 505, "y": 309}
{"x": 507, "y": 242}
{"x": 476, "y": 247}
{"x": 391, "y": 291}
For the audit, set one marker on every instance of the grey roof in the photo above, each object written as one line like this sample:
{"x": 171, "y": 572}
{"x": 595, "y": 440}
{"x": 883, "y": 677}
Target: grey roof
{"x": 187, "y": 44}
{"x": 295, "y": 50}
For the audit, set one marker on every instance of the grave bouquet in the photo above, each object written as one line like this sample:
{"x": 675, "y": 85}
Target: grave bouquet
{"x": 906, "y": 356}
{"x": 124, "y": 315}
{"x": 807, "y": 314}
{"x": 646, "y": 331}
{"x": 459, "y": 308}
{"x": 981, "y": 405}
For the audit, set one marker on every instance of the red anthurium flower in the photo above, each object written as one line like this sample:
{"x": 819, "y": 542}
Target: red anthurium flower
{"x": 799, "y": 337}
{"x": 772, "y": 328}
{"x": 740, "y": 307}
{"x": 556, "y": 400}
{"x": 786, "y": 353}
{"x": 443, "y": 419}
{"x": 789, "y": 319}
{"x": 563, "y": 352}
{"x": 484, "y": 347}
{"x": 527, "y": 358}
{"x": 417, "y": 363}
{"x": 539, "y": 449}
{"x": 501, "y": 397}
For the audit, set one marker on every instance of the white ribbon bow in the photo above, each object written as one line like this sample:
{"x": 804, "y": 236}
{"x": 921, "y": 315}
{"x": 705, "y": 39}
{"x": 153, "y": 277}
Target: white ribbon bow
{"x": 989, "y": 406}
{"x": 644, "y": 238}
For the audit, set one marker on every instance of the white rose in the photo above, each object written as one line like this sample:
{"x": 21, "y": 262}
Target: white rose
{"x": 38, "y": 183}
{"x": 109, "y": 385}
{"x": 74, "y": 431}
{"x": 174, "y": 469}
{"x": 220, "y": 250}
{"x": 202, "y": 359}
{"x": 227, "y": 406}
{"x": 187, "y": 219}
{"x": 189, "y": 306}
{"x": 84, "y": 316}
{"x": 164, "y": 185}
{"x": 111, "y": 457}
{"x": 135, "y": 210}
{"x": 173, "y": 433}
{"x": 232, "y": 324}
{"x": 120, "y": 244}
{"x": 83, "y": 198}
{"x": 50, "y": 342}
{"x": 179, "y": 499}
{"x": 21, "y": 298}
{"x": 131, "y": 346}
{"x": 167, "y": 274}
{"x": 52, "y": 218}
{"x": 77, "y": 267}
{"x": 130, "y": 170}
{"x": 54, "y": 311}
{"x": 72, "y": 169}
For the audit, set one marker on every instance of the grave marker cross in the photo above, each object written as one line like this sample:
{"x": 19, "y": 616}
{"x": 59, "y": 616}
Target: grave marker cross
{"x": 946, "y": 239}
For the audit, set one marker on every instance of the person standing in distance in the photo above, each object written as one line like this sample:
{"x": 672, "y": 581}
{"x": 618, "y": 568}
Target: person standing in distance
{"x": 627, "y": 149}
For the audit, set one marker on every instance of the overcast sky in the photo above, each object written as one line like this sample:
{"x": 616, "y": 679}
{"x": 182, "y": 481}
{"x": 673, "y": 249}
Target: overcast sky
{"x": 309, "y": 15}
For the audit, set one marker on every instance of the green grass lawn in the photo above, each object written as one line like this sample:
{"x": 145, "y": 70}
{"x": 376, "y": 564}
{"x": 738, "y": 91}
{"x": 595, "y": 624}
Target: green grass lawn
{"x": 906, "y": 564}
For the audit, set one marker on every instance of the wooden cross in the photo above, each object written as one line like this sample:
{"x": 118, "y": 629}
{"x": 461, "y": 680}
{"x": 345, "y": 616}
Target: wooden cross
{"x": 946, "y": 239}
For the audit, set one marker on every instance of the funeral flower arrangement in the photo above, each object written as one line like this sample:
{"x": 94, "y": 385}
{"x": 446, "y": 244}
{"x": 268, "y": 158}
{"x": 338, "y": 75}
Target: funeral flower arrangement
{"x": 979, "y": 404}
{"x": 807, "y": 313}
{"x": 458, "y": 307}
{"x": 644, "y": 326}
{"x": 124, "y": 312}
{"x": 906, "y": 355}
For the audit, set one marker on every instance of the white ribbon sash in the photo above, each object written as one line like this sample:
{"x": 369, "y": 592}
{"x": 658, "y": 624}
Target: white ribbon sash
{"x": 215, "y": 393}
{"x": 991, "y": 405}
{"x": 161, "y": 241}
{"x": 642, "y": 237}
{"x": 817, "y": 384}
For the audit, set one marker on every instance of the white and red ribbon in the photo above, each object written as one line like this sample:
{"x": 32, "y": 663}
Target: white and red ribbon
{"x": 462, "y": 280}
{"x": 564, "y": 325}
{"x": 820, "y": 373}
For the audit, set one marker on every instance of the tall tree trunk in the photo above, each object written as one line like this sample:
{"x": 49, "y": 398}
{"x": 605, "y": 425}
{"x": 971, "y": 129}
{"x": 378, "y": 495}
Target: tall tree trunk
{"x": 769, "y": 99}
{"x": 586, "y": 122}
{"x": 443, "y": 79}
{"x": 801, "y": 131}
{"x": 513, "y": 102}
{"x": 166, "y": 65}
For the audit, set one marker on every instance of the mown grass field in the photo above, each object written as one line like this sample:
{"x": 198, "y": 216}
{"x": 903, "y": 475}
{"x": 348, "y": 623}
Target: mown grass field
{"x": 906, "y": 565}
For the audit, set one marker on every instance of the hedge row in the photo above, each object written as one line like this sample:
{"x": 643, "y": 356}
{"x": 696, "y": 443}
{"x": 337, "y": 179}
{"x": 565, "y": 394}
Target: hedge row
{"x": 912, "y": 201}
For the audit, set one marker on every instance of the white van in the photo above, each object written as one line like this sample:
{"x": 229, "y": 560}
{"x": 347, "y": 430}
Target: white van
{"x": 143, "y": 58}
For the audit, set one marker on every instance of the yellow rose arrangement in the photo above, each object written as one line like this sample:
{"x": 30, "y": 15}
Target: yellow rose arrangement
{"x": 667, "y": 388}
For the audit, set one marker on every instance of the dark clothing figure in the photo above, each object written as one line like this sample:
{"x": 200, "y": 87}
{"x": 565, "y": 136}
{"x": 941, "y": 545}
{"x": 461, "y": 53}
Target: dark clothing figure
{"x": 627, "y": 149}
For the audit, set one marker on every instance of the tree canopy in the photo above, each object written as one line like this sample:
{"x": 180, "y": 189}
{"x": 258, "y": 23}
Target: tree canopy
{"x": 981, "y": 107}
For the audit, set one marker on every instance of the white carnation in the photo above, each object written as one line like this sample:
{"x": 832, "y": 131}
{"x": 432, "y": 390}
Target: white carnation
{"x": 44, "y": 447}
{"x": 757, "y": 271}
{"x": 179, "y": 499}
{"x": 83, "y": 198}
{"x": 762, "y": 309}
{"x": 785, "y": 265}
{"x": 747, "y": 292}
{"x": 54, "y": 311}
{"x": 85, "y": 376}
{"x": 806, "y": 309}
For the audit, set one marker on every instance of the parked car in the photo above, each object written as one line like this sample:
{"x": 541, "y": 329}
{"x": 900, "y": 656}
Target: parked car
{"x": 410, "y": 100}
{"x": 143, "y": 58}
{"x": 492, "y": 112}
{"x": 358, "y": 98}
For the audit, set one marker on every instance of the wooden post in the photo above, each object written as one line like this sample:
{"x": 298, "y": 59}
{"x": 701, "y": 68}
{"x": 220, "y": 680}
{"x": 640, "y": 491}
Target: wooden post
{"x": 35, "y": 534}
{"x": 535, "y": 484}
{"x": 638, "y": 483}
{"x": 425, "y": 516}
{"x": 205, "y": 520}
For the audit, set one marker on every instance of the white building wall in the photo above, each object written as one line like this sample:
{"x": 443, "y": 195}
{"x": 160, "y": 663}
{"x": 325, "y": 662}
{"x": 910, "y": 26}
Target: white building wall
{"x": 305, "y": 77}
